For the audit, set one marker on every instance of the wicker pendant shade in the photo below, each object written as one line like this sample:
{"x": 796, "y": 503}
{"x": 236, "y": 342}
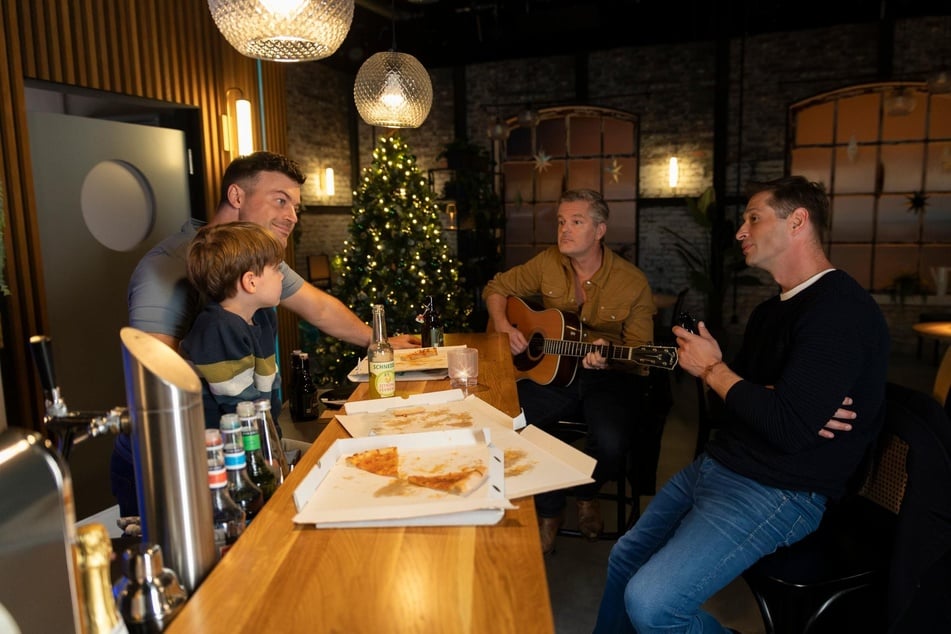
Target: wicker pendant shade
{"x": 283, "y": 30}
{"x": 393, "y": 90}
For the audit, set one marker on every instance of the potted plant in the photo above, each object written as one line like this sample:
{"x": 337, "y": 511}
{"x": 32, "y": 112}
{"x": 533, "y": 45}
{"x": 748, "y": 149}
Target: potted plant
{"x": 714, "y": 263}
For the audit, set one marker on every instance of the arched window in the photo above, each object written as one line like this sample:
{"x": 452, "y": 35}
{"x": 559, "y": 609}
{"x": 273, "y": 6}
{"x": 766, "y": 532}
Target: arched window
{"x": 568, "y": 148}
{"x": 883, "y": 151}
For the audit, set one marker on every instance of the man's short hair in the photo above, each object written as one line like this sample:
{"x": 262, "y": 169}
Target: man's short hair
{"x": 596, "y": 205}
{"x": 791, "y": 192}
{"x": 220, "y": 254}
{"x": 244, "y": 170}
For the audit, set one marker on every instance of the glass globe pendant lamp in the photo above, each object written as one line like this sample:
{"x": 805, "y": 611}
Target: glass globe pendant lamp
{"x": 393, "y": 90}
{"x": 283, "y": 30}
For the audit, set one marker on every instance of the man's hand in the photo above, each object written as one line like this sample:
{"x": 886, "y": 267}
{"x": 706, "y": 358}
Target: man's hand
{"x": 594, "y": 360}
{"x": 838, "y": 420}
{"x": 696, "y": 352}
{"x": 405, "y": 341}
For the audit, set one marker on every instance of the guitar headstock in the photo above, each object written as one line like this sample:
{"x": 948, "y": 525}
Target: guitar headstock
{"x": 656, "y": 356}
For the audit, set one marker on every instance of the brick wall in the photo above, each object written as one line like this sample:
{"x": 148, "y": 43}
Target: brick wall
{"x": 671, "y": 89}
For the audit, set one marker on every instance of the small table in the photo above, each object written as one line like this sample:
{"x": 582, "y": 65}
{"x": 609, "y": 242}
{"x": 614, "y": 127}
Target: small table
{"x": 940, "y": 330}
{"x": 281, "y": 577}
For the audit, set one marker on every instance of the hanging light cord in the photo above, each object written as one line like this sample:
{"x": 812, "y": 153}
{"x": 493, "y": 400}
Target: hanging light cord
{"x": 393, "y": 21}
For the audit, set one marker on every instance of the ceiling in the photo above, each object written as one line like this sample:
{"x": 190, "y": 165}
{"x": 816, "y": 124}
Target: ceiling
{"x": 443, "y": 33}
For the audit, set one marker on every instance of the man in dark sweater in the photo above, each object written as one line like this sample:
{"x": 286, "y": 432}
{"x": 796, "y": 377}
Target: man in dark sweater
{"x": 786, "y": 446}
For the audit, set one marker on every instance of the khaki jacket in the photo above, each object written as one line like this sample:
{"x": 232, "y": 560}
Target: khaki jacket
{"x": 619, "y": 306}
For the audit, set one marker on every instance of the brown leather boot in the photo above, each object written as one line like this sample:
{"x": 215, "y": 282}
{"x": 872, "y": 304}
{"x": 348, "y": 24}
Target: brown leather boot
{"x": 548, "y": 530}
{"x": 589, "y": 519}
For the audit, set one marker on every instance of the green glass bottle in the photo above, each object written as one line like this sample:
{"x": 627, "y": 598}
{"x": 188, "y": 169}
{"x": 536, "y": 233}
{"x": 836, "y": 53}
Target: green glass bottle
{"x": 258, "y": 468}
{"x": 242, "y": 490}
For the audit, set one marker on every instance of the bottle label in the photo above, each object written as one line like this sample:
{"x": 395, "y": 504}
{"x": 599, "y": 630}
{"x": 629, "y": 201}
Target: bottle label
{"x": 383, "y": 377}
{"x": 235, "y": 460}
{"x": 252, "y": 441}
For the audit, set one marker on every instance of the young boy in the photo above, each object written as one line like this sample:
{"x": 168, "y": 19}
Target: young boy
{"x": 232, "y": 342}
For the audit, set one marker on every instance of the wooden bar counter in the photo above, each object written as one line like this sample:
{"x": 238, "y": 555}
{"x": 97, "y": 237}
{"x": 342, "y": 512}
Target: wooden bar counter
{"x": 281, "y": 577}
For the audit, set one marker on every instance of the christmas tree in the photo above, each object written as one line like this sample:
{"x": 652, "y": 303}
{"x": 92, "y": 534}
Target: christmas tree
{"x": 396, "y": 256}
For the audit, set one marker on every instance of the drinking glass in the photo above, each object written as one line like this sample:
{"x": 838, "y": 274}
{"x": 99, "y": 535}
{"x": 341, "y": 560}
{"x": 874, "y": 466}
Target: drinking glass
{"x": 463, "y": 367}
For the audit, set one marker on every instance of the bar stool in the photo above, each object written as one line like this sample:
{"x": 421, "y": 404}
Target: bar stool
{"x": 638, "y": 475}
{"x": 628, "y": 505}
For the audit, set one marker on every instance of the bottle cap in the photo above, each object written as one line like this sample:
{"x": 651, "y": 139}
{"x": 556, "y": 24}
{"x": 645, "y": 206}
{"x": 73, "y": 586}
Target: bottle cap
{"x": 245, "y": 409}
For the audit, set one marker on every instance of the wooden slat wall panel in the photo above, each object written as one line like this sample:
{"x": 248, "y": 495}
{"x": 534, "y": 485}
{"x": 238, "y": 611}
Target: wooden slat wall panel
{"x": 170, "y": 51}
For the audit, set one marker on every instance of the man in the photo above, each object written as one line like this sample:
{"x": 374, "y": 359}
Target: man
{"x": 614, "y": 304}
{"x": 763, "y": 482}
{"x": 263, "y": 188}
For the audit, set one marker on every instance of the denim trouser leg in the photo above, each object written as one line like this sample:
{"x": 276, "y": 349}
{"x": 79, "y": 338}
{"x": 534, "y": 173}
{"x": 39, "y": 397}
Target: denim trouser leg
{"x": 702, "y": 530}
{"x": 606, "y": 401}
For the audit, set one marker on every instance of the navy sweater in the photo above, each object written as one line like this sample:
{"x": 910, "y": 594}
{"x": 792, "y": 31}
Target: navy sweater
{"x": 827, "y": 342}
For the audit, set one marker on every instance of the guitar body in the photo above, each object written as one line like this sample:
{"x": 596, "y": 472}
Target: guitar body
{"x": 555, "y": 345}
{"x": 536, "y": 326}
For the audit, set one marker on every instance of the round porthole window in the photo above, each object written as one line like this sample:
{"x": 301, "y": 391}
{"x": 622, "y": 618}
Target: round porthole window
{"x": 118, "y": 205}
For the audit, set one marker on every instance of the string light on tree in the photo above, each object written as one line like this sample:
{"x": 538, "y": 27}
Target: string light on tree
{"x": 395, "y": 255}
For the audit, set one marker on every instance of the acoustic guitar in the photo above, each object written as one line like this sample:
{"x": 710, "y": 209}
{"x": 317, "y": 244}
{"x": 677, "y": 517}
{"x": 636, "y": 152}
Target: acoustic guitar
{"x": 555, "y": 345}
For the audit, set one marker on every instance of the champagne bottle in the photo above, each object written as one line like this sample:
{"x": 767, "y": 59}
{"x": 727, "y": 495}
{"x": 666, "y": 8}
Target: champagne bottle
{"x": 380, "y": 358}
{"x": 98, "y": 609}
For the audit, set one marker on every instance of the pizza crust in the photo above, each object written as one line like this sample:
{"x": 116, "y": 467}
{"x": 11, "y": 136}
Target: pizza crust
{"x": 461, "y": 482}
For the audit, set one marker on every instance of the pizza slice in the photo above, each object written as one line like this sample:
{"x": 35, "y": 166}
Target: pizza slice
{"x": 419, "y": 469}
{"x": 383, "y": 461}
{"x": 422, "y": 353}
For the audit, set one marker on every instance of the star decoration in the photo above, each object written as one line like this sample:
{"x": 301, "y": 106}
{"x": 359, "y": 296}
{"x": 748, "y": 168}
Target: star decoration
{"x": 614, "y": 170}
{"x": 542, "y": 161}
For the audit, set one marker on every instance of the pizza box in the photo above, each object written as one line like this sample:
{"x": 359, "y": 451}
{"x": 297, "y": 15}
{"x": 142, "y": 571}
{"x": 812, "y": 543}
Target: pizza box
{"x": 335, "y": 494}
{"x": 534, "y": 460}
{"x": 412, "y": 364}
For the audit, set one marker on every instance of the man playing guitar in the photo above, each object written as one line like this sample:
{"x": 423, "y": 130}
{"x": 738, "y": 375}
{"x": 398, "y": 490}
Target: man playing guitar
{"x": 614, "y": 305}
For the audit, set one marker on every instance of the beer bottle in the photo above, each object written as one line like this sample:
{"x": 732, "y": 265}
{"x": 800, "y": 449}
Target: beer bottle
{"x": 432, "y": 334}
{"x": 380, "y": 358}
{"x": 304, "y": 402}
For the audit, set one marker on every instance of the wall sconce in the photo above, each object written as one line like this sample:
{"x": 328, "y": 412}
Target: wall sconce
{"x": 673, "y": 172}
{"x": 451, "y": 214}
{"x": 237, "y": 126}
{"x": 325, "y": 183}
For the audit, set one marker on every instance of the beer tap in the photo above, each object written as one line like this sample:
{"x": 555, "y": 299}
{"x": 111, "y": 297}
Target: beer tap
{"x": 64, "y": 427}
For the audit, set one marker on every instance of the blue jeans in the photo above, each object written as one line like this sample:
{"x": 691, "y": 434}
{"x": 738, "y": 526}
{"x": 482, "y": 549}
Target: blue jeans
{"x": 607, "y": 401}
{"x": 702, "y": 530}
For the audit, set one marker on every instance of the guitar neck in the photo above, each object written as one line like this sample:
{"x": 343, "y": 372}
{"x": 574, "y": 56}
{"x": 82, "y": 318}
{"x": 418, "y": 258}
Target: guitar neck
{"x": 565, "y": 348}
{"x": 651, "y": 356}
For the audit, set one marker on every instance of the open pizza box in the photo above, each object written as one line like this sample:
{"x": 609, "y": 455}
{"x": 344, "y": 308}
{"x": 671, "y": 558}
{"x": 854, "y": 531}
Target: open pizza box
{"x": 336, "y": 494}
{"x": 412, "y": 364}
{"x": 534, "y": 461}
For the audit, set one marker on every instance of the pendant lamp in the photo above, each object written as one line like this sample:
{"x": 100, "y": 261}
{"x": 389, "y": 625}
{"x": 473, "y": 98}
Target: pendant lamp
{"x": 283, "y": 30}
{"x": 393, "y": 90}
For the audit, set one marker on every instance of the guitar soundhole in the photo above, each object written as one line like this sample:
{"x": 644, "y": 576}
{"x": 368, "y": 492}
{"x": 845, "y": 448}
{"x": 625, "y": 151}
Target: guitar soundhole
{"x": 536, "y": 347}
